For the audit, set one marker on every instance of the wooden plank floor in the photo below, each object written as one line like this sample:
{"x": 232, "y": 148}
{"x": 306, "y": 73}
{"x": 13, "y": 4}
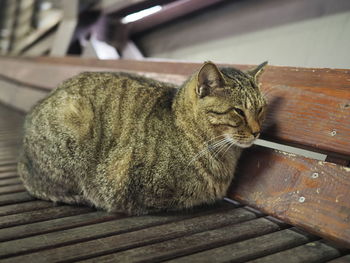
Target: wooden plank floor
{"x": 38, "y": 231}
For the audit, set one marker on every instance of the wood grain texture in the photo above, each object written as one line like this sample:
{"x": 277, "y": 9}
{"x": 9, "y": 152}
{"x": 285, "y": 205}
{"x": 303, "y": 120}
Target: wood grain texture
{"x": 192, "y": 243}
{"x": 304, "y": 192}
{"x": 38, "y": 215}
{"x": 344, "y": 259}
{"x": 12, "y": 189}
{"x": 24, "y": 207}
{"x": 8, "y": 175}
{"x": 8, "y": 168}
{"x": 121, "y": 237}
{"x": 15, "y": 198}
{"x": 249, "y": 249}
{"x": 312, "y": 252}
{"x": 306, "y": 106}
{"x": 52, "y": 225}
{"x": 10, "y": 181}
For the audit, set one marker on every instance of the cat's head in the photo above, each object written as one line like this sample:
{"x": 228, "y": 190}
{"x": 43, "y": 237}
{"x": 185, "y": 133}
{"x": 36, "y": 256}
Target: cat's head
{"x": 229, "y": 102}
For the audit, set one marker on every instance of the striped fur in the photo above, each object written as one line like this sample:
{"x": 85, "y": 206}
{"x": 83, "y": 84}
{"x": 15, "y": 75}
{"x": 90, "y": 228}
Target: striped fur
{"x": 125, "y": 143}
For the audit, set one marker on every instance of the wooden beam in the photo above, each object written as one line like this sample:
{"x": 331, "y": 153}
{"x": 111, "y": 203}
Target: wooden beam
{"x": 28, "y": 40}
{"x": 307, "y": 193}
{"x": 19, "y": 96}
{"x": 307, "y": 107}
{"x": 170, "y": 12}
{"x": 66, "y": 28}
{"x": 121, "y": 8}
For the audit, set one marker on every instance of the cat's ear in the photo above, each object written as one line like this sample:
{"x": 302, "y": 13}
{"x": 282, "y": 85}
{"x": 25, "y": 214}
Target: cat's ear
{"x": 257, "y": 71}
{"x": 209, "y": 78}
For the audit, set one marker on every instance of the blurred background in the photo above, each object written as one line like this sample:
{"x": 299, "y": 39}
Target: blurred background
{"x": 312, "y": 33}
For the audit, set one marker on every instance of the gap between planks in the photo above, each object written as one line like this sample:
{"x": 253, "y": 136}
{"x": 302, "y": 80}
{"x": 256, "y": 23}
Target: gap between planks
{"x": 126, "y": 233}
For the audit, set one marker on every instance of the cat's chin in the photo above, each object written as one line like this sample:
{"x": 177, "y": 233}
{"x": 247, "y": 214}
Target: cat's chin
{"x": 239, "y": 144}
{"x": 244, "y": 145}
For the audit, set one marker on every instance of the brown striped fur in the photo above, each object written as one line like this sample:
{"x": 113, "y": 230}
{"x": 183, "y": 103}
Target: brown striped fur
{"x": 130, "y": 144}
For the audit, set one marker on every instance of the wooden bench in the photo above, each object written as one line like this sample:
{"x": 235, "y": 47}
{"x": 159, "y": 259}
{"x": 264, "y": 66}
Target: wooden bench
{"x": 303, "y": 204}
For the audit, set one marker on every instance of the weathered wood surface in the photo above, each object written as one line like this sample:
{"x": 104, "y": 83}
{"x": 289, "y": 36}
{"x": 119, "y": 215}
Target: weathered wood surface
{"x": 38, "y": 215}
{"x": 24, "y": 207}
{"x": 7, "y": 175}
{"x": 10, "y": 181}
{"x": 193, "y": 243}
{"x": 140, "y": 231}
{"x": 304, "y": 192}
{"x": 8, "y": 169}
{"x": 52, "y": 225}
{"x": 250, "y": 249}
{"x": 344, "y": 259}
{"x": 306, "y": 106}
{"x": 38, "y": 231}
{"x": 15, "y": 198}
{"x": 311, "y": 252}
{"x": 11, "y": 189}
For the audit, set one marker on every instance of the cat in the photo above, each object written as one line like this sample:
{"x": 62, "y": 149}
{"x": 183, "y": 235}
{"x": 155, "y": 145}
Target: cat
{"x": 126, "y": 143}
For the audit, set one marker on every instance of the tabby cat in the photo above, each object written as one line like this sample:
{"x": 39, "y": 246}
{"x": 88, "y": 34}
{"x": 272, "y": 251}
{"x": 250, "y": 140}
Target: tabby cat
{"x": 126, "y": 143}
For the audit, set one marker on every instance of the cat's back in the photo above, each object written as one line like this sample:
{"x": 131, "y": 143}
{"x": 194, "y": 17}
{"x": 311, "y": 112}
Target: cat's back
{"x": 99, "y": 104}
{"x": 107, "y": 87}
{"x": 103, "y": 93}
{"x": 77, "y": 125}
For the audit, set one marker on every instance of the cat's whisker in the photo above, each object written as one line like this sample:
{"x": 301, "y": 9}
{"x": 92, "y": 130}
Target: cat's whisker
{"x": 208, "y": 142}
{"x": 217, "y": 144}
{"x": 202, "y": 152}
{"x": 208, "y": 148}
{"x": 229, "y": 146}
{"x": 223, "y": 146}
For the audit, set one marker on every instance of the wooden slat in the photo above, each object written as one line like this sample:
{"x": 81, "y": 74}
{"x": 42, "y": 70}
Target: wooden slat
{"x": 193, "y": 243}
{"x": 316, "y": 101}
{"x": 7, "y": 162}
{"x": 8, "y": 168}
{"x": 19, "y": 96}
{"x": 8, "y": 175}
{"x": 24, "y": 207}
{"x": 13, "y": 153}
{"x": 307, "y": 193}
{"x": 4, "y": 138}
{"x": 249, "y": 249}
{"x": 344, "y": 259}
{"x": 311, "y": 252}
{"x": 55, "y": 18}
{"x": 11, "y": 189}
{"x": 120, "y": 240}
{"x": 38, "y": 215}
{"x": 7, "y": 144}
{"x": 52, "y": 225}
{"x": 7, "y": 199}
{"x": 10, "y": 181}
{"x": 62, "y": 72}
{"x": 10, "y": 159}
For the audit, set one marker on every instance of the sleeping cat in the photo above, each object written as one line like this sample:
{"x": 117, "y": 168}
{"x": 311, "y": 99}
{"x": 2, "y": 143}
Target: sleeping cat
{"x": 126, "y": 143}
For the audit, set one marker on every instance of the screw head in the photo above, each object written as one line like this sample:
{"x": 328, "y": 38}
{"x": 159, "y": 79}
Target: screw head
{"x": 333, "y": 133}
{"x": 301, "y": 199}
{"x": 314, "y": 175}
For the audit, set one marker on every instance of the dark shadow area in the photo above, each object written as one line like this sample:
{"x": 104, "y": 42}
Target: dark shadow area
{"x": 253, "y": 163}
{"x": 270, "y": 127}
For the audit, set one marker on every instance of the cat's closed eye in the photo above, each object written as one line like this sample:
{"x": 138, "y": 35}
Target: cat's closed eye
{"x": 217, "y": 112}
{"x": 260, "y": 110}
{"x": 239, "y": 112}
